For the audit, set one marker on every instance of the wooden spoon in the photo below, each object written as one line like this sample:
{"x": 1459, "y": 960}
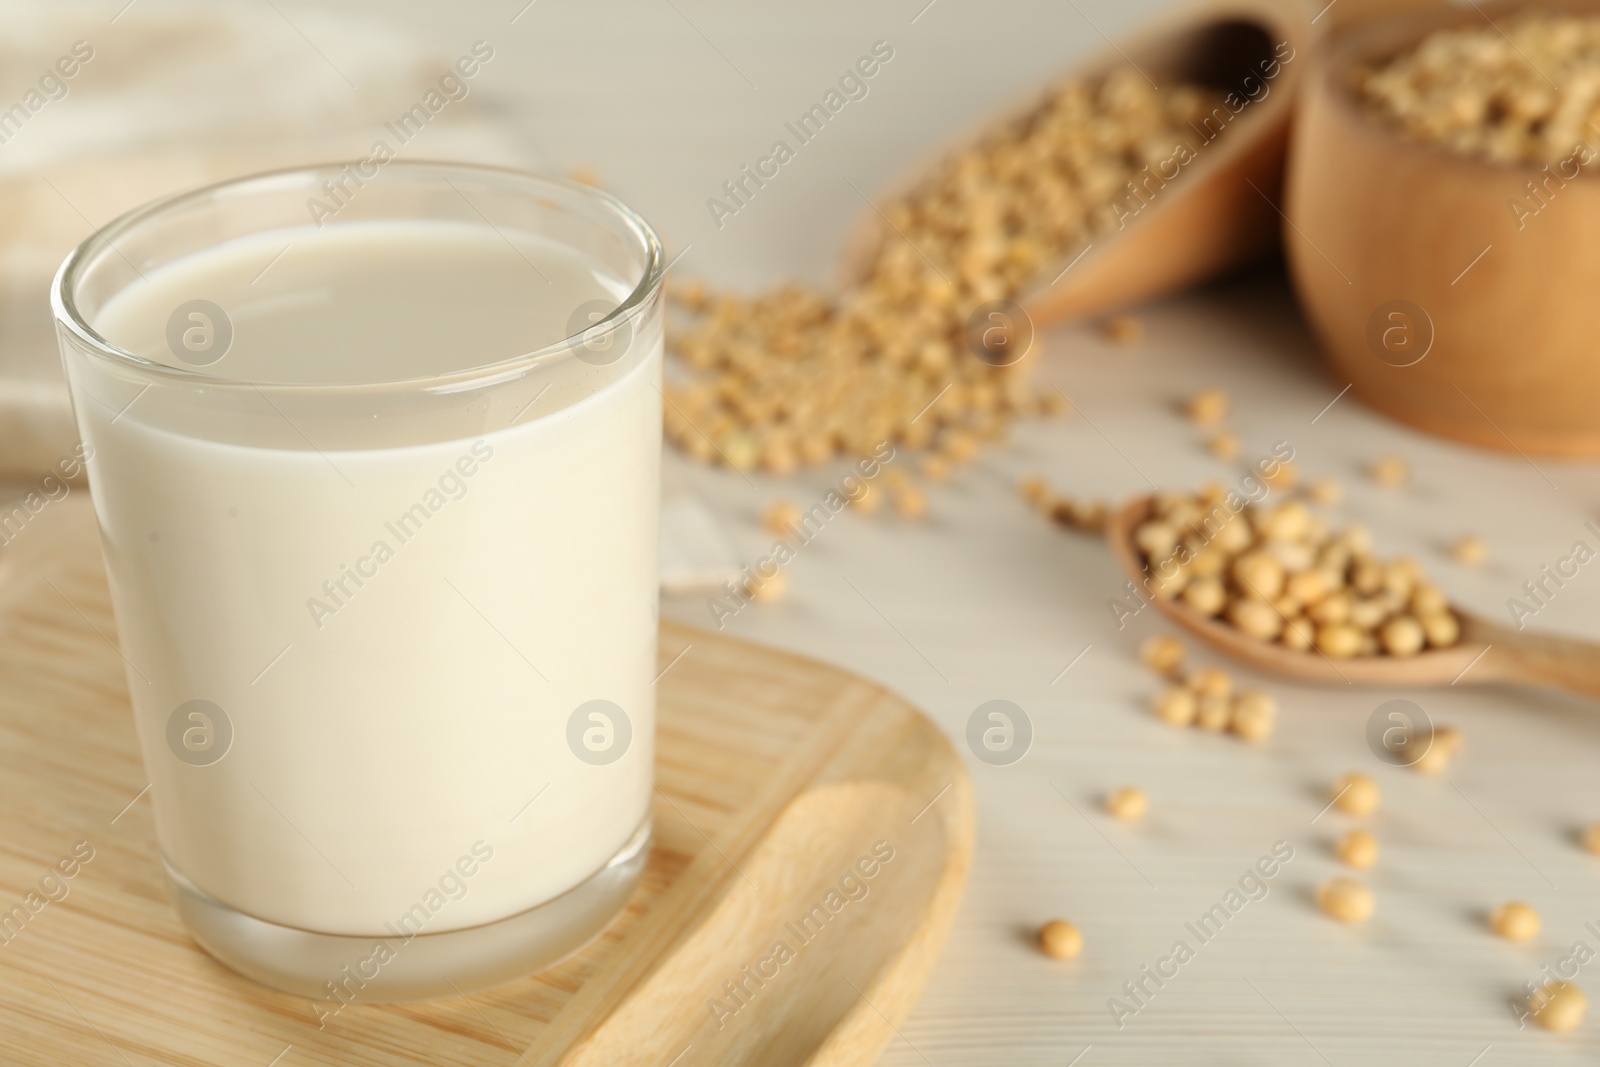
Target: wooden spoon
{"x": 1485, "y": 653}
{"x": 1219, "y": 212}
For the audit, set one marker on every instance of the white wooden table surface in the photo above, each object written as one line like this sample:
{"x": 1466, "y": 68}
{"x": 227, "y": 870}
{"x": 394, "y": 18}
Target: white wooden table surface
{"x": 983, "y": 600}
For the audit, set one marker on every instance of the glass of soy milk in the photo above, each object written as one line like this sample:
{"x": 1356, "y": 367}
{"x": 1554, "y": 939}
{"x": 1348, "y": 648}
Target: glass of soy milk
{"x": 376, "y": 466}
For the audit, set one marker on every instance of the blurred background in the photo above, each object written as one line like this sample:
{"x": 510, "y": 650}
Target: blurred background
{"x": 660, "y": 102}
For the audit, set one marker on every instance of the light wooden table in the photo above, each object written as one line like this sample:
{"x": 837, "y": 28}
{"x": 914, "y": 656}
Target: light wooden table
{"x": 984, "y": 600}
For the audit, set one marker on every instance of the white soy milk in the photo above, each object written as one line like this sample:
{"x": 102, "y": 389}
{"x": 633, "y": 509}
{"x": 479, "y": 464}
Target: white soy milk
{"x": 397, "y": 636}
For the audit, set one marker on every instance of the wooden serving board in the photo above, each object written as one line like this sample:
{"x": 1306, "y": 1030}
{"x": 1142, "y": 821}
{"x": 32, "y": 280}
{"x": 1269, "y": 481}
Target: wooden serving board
{"x": 775, "y": 776}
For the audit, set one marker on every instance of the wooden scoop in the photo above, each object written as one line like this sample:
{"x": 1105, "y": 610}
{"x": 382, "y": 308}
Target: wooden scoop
{"x": 1220, "y": 211}
{"x": 1485, "y": 653}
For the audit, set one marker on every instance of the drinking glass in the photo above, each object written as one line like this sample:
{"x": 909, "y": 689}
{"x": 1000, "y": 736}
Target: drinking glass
{"x": 385, "y": 587}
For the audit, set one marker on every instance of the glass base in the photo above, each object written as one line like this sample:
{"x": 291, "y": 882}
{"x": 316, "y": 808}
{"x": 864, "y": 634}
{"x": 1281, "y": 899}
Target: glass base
{"x": 336, "y": 970}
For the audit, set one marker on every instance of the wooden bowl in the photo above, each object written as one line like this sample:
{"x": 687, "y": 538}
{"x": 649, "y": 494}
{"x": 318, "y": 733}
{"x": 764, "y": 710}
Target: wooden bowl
{"x": 1428, "y": 296}
{"x": 1218, "y": 213}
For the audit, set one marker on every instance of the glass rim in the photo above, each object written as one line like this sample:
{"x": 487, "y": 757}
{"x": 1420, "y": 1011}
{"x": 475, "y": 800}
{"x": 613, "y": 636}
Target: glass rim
{"x": 63, "y": 302}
